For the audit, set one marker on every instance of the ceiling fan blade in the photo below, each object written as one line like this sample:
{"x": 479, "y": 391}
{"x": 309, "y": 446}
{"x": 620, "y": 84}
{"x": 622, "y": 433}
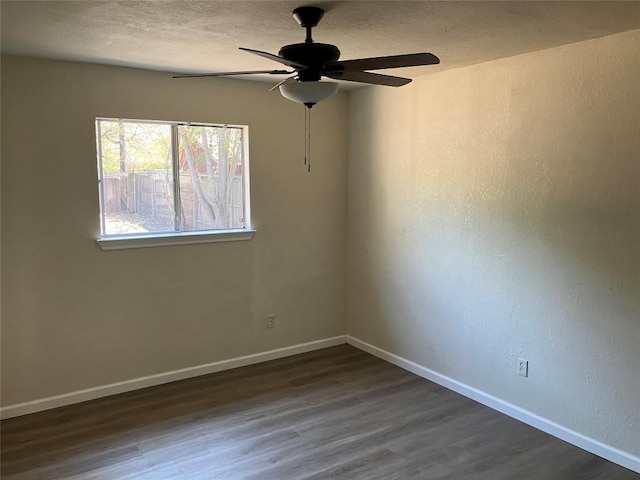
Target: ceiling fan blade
{"x": 372, "y": 78}
{"x": 275, "y": 58}
{"x": 380, "y": 63}
{"x": 286, "y": 80}
{"x": 225, "y": 74}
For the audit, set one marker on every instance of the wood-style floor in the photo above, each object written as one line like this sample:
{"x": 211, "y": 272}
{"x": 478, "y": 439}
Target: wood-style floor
{"x": 333, "y": 413}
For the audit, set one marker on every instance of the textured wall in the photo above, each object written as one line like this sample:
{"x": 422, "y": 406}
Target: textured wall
{"x": 494, "y": 213}
{"x": 74, "y": 316}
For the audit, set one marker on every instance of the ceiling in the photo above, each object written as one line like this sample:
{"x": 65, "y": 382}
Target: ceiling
{"x": 204, "y": 36}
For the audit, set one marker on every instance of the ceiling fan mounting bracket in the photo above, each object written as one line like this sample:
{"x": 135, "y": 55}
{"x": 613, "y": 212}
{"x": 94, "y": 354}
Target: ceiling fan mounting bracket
{"x": 308, "y": 17}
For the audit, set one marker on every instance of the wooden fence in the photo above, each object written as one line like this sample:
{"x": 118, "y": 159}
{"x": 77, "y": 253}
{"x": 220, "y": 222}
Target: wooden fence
{"x": 151, "y": 194}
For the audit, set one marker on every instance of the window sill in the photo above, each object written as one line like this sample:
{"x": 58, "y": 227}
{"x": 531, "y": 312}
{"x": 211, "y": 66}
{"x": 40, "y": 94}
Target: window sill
{"x": 165, "y": 239}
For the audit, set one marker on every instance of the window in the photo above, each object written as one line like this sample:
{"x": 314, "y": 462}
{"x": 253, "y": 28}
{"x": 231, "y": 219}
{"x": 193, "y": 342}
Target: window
{"x": 169, "y": 182}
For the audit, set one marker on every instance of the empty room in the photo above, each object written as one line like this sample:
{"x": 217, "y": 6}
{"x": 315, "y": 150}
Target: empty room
{"x": 346, "y": 239}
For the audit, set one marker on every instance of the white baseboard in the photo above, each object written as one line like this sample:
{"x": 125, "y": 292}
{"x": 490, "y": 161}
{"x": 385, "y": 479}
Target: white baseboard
{"x": 167, "y": 377}
{"x": 608, "y": 452}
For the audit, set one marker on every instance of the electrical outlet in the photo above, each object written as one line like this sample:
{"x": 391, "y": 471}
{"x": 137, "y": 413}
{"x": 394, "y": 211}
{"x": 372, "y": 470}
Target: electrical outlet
{"x": 523, "y": 367}
{"x": 271, "y": 320}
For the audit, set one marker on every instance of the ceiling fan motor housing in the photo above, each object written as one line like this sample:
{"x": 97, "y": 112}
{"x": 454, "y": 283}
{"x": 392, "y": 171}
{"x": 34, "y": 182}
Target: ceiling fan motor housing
{"x": 314, "y": 55}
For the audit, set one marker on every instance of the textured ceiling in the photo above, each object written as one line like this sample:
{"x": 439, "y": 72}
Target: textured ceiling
{"x": 200, "y": 36}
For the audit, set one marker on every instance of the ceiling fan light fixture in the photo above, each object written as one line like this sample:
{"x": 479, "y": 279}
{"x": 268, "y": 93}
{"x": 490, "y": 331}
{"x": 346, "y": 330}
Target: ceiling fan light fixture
{"x": 308, "y": 93}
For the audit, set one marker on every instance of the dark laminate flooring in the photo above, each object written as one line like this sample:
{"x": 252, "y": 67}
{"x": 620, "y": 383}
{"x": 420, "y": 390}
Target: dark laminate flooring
{"x": 333, "y": 413}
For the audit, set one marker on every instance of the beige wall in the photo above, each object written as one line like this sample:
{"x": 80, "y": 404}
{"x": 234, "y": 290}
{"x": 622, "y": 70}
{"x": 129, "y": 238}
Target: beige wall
{"x": 74, "y": 316}
{"x": 494, "y": 214}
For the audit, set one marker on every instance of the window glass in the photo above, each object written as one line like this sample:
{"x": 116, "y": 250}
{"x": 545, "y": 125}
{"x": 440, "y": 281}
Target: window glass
{"x": 211, "y": 177}
{"x": 160, "y": 177}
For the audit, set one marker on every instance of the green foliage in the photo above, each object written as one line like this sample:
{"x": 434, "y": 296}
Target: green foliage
{"x": 134, "y": 146}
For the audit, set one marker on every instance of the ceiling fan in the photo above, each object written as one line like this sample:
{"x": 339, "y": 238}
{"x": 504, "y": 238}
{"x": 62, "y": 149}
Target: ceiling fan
{"x": 311, "y": 61}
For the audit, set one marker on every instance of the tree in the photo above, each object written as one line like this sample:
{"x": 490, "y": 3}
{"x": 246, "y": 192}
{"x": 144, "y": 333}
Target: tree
{"x": 211, "y": 156}
{"x": 133, "y": 146}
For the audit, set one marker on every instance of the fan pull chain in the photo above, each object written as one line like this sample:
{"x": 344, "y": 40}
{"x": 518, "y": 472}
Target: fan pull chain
{"x": 307, "y": 138}
{"x": 309, "y": 142}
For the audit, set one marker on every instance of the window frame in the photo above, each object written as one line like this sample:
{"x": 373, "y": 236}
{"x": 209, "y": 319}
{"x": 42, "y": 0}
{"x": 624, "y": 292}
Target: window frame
{"x": 157, "y": 239}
